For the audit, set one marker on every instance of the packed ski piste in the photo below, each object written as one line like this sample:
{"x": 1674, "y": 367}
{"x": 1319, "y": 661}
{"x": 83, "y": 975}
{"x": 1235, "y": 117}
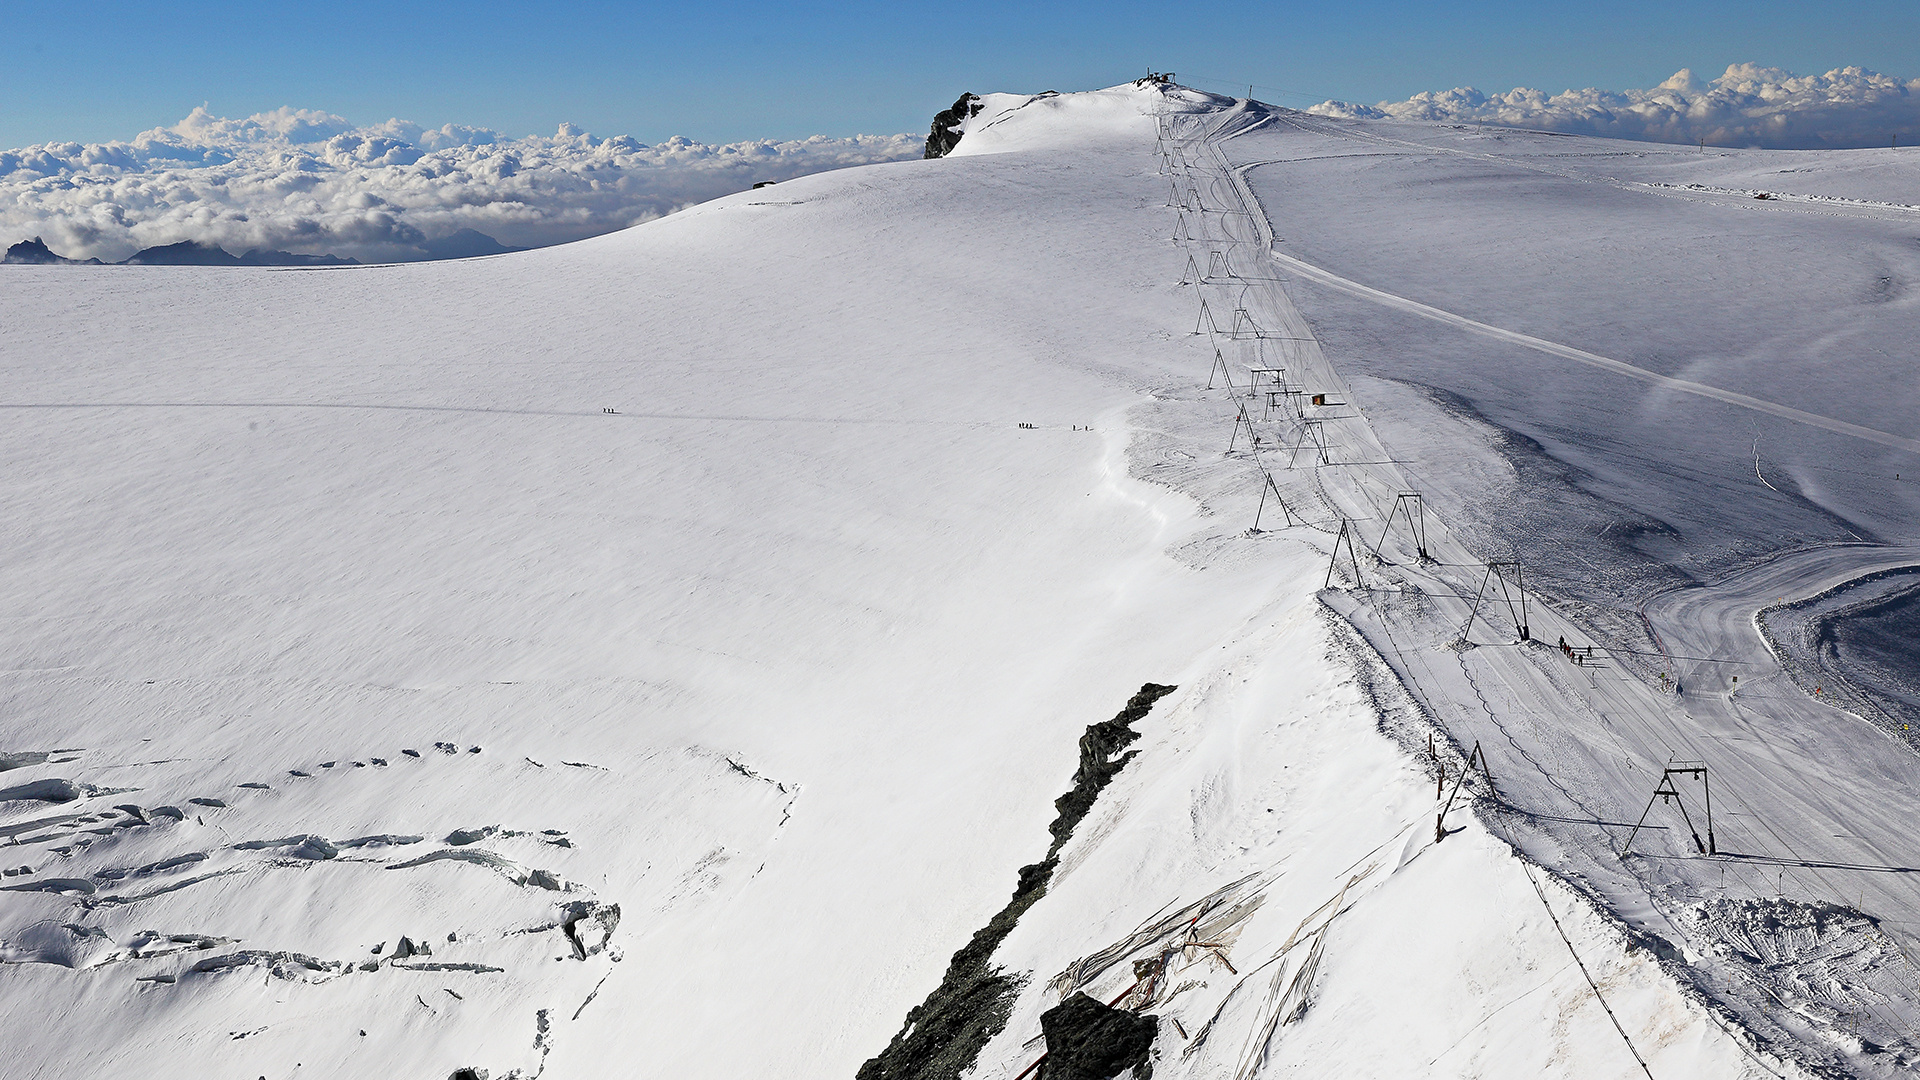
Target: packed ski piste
{"x": 1167, "y": 585}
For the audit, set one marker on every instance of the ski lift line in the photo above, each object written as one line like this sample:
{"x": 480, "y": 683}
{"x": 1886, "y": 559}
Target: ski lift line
{"x": 1435, "y": 713}
{"x": 1815, "y": 888}
{"x": 1285, "y": 510}
{"x": 1263, "y": 86}
{"x": 1420, "y": 529}
{"x": 1334, "y": 560}
{"x": 1493, "y": 573}
{"x": 1666, "y": 790}
{"x": 1487, "y": 707}
{"x": 1637, "y": 719}
{"x": 1323, "y": 526}
{"x": 1520, "y": 751}
{"x": 1803, "y": 860}
{"x": 1479, "y": 755}
{"x": 1426, "y": 698}
{"x": 1673, "y": 656}
{"x": 1353, "y": 556}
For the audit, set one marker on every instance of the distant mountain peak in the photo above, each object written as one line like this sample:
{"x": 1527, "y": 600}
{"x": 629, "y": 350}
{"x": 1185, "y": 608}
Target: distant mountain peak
{"x": 184, "y": 253}
{"x": 36, "y": 252}
{"x": 465, "y": 244}
{"x": 263, "y": 257}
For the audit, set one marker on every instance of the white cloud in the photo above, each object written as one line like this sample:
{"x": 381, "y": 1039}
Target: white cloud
{"x": 1747, "y": 106}
{"x": 311, "y": 182}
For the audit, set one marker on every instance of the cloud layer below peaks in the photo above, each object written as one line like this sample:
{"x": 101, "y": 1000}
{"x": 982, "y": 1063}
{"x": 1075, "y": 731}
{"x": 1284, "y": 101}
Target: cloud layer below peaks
{"x": 314, "y": 183}
{"x": 1749, "y": 106}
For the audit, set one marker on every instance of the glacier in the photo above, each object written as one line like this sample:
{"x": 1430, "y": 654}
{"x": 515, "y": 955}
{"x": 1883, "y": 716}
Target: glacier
{"x": 658, "y": 654}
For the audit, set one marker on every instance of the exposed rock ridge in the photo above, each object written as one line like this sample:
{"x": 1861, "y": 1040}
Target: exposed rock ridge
{"x": 944, "y": 1034}
{"x": 946, "y": 125}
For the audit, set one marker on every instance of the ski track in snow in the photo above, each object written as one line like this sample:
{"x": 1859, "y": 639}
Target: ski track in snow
{"x": 1790, "y": 790}
{"x": 1341, "y": 484}
{"x": 414, "y": 715}
{"x": 1682, "y": 385}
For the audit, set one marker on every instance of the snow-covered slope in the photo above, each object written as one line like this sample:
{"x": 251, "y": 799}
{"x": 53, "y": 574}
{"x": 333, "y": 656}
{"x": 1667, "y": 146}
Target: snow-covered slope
{"x": 1763, "y": 394}
{"x": 1673, "y": 405}
{"x": 756, "y": 571}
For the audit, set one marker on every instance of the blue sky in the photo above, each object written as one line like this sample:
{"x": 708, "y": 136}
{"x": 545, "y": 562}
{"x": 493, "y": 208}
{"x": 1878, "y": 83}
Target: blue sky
{"x": 726, "y": 70}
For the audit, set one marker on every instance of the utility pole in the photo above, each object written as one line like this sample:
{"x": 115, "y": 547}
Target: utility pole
{"x": 1346, "y": 538}
{"x": 1275, "y": 488}
{"x": 1417, "y": 524}
{"x": 1666, "y": 790}
{"x": 1498, "y": 571}
{"x": 1240, "y": 418}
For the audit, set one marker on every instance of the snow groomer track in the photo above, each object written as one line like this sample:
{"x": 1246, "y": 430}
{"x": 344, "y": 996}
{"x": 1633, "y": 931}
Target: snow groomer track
{"x": 1796, "y": 913}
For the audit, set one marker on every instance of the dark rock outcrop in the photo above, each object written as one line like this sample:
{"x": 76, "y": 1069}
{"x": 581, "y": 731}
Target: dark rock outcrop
{"x": 944, "y": 1034}
{"x": 1090, "y": 1041}
{"x": 1100, "y": 759}
{"x": 588, "y": 926}
{"x": 946, "y": 125}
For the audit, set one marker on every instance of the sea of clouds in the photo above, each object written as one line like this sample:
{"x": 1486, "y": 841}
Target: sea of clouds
{"x": 1748, "y": 106}
{"x": 313, "y": 183}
